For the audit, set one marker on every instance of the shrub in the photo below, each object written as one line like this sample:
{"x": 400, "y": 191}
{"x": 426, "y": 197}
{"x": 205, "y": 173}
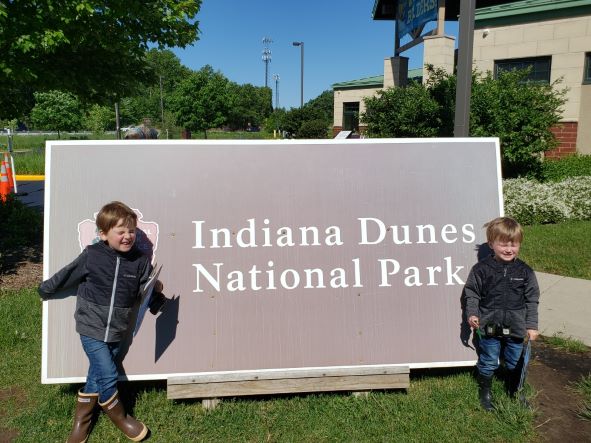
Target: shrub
{"x": 572, "y": 166}
{"x": 531, "y": 202}
{"x": 313, "y": 129}
{"x": 521, "y": 113}
{"x": 20, "y": 226}
{"x": 402, "y": 112}
{"x": 575, "y": 192}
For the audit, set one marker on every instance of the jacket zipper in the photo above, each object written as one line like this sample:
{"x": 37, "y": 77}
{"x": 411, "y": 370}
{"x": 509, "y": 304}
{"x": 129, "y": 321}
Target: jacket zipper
{"x": 114, "y": 290}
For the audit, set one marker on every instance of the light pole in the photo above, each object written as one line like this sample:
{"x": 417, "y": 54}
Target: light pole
{"x": 161, "y": 104}
{"x": 276, "y": 78}
{"x": 301, "y": 45}
{"x": 266, "y": 58}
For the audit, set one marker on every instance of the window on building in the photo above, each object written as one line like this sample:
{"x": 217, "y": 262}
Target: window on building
{"x": 587, "y": 71}
{"x": 351, "y": 116}
{"x": 540, "y": 67}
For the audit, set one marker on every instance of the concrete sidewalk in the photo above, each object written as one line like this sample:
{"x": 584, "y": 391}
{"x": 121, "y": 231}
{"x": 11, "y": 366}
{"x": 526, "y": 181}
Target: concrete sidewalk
{"x": 565, "y": 306}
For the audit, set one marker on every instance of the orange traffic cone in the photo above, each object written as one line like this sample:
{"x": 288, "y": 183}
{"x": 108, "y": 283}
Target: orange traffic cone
{"x": 8, "y": 166}
{"x": 4, "y": 186}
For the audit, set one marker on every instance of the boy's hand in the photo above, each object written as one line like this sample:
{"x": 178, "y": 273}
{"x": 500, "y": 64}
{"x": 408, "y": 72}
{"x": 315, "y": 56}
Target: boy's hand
{"x": 474, "y": 322}
{"x": 158, "y": 286}
{"x": 533, "y": 334}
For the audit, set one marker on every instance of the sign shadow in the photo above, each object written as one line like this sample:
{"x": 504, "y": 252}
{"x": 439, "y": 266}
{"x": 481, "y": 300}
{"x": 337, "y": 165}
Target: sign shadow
{"x": 166, "y": 326}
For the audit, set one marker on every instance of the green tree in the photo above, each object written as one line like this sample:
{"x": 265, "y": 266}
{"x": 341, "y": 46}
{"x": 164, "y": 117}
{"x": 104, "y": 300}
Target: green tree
{"x": 152, "y": 98}
{"x": 313, "y": 129}
{"x": 402, "y": 112}
{"x": 92, "y": 48}
{"x": 325, "y": 104}
{"x": 521, "y": 113}
{"x": 251, "y": 105}
{"x": 99, "y": 119}
{"x": 56, "y": 111}
{"x": 306, "y": 122}
{"x": 202, "y": 101}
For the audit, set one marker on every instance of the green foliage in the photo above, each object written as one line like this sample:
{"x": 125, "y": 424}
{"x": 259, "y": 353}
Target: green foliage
{"x": 520, "y": 113}
{"x": 20, "y": 225}
{"x": 95, "y": 50}
{"x": 583, "y": 387}
{"x": 250, "y": 106}
{"x": 442, "y": 87}
{"x": 571, "y": 166}
{"x": 99, "y": 119}
{"x": 313, "y": 129}
{"x": 324, "y": 103}
{"x": 315, "y": 110}
{"x": 275, "y": 121}
{"x": 402, "y": 112}
{"x": 569, "y": 344}
{"x": 30, "y": 161}
{"x": 531, "y": 202}
{"x": 56, "y": 111}
{"x": 201, "y": 101}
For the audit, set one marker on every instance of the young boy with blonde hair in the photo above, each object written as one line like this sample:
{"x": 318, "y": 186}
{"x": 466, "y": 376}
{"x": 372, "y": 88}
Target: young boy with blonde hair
{"x": 502, "y": 297}
{"x": 109, "y": 275}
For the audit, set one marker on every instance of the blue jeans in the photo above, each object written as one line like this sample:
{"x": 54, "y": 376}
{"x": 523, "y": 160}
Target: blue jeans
{"x": 102, "y": 371}
{"x": 490, "y": 351}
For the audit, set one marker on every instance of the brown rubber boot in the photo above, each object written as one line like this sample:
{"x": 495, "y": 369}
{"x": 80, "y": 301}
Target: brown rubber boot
{"x": 133, "y": 429}
{"x": 85, "y": 404}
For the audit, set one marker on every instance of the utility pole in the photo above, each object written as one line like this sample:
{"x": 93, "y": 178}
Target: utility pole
{"x": 161, "y": 104}
{"x": 276, "y": 78}
{"x": 266, "y": 58}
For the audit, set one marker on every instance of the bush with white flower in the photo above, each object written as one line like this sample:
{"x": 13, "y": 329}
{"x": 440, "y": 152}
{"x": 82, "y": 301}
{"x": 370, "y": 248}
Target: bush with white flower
{"x": 531, "y": 202}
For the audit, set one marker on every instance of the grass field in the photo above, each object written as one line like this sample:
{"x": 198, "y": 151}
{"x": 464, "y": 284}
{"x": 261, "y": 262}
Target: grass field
{"x": 29, "y": 150}
{"x": 561, "y": 249}
{"x": 439, "y": 406}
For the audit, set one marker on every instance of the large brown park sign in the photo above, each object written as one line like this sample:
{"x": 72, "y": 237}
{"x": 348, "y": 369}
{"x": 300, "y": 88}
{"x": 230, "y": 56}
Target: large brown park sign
{"x": 282, "y": 255}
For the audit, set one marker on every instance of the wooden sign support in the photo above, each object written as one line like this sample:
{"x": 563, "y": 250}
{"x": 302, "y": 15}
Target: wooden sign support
{"x": 211, "y": 387}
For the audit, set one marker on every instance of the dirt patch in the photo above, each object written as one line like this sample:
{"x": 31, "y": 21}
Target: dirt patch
{"x": 9, "y": 435}
{"x": 24, "y": 275}
{"x": 552, "y": 373}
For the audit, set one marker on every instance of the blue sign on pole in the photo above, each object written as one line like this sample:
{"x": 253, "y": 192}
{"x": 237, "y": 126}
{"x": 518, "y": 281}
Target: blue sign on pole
{"x": 414, "y": 13}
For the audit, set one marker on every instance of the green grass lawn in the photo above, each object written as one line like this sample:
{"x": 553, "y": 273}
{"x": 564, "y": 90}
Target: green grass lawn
{"x": 29, "y": 150}
{"x": 562, "y": 249}
{"x": 439, "y": 406}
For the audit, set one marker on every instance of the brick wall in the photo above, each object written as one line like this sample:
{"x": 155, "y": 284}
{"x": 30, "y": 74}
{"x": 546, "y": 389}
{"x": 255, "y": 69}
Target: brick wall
{"x": 566, "y": 134}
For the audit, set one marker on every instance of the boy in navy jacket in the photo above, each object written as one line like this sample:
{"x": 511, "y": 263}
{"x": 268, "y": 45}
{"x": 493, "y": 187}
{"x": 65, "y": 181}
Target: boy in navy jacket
{"x": 109, "y": 275}
{"x": 502, "y": 296}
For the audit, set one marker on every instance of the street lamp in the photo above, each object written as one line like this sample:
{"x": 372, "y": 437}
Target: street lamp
{"x": 301, "y": 45}
{"x": 276, "y": 78}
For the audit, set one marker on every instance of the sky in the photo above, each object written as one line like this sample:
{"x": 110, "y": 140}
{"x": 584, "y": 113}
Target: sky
{"x": 341, "y": 43}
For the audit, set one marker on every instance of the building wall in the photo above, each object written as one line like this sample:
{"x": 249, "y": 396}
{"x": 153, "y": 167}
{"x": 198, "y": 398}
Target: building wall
{"x": 347, "y": 96}
{"x": 566, "y": 41}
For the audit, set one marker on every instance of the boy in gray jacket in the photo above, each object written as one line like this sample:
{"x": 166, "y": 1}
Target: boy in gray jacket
{"x": 502, "y": 297}
{"x": 109, "y": 275}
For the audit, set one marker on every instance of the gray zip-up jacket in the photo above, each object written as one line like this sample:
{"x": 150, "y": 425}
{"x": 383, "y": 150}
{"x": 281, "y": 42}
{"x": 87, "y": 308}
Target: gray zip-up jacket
{"x": 109, "y": 285}
{"x": 506, "y": 294}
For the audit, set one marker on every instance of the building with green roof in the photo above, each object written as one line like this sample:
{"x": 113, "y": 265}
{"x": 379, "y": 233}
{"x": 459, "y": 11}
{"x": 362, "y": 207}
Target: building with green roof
{"x": 553, "y": 37}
